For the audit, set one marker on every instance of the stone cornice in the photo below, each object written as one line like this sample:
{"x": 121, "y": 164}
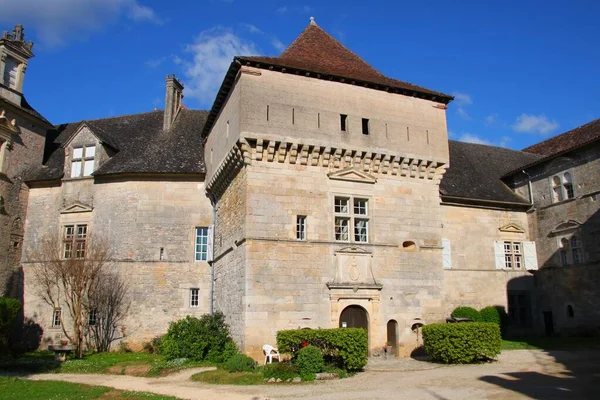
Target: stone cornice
{"x": 376, "y": 162}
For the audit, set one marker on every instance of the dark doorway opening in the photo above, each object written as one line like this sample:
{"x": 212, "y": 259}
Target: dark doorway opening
{"x": 392, "y": 336}
{"x": 354, "y": 317}
{"x": 548, "y": 323}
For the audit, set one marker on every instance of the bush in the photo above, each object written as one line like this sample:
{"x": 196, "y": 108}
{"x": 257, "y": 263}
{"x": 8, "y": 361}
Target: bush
{"x": 345, "y": 346}
{"x": 462, "y": 343}
{"x": 153, "y": 346}
{"x": 309, "y": 361}
{"x": 283, "y": 370}
{"x": 201, "y": 339}
{"x": 9, "y": 310}
{"x": 466, "y": 312}
{"x": 240, "y": 363}
{"x": 490, "y": 314}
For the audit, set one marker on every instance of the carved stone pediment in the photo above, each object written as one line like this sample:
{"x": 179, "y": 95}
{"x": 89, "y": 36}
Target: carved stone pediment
{"x": 353, "y": 270}
{"x": 352, "y": 175}
{"x": 512, "y": 228}
{"x": 76, "y": 208}
{"x": 7, "y": 127}
{"x": 565, "y": 226}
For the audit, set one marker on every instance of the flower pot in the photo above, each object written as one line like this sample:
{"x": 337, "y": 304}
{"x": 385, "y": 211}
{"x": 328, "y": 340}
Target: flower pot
{"x": 64, "y": 342}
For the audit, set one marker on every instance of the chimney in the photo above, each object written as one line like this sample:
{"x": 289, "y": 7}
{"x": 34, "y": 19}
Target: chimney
{"x": 172, "y": 101}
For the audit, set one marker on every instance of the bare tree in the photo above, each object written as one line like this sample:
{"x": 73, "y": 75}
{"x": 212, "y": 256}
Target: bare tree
{"x": 108, "y": 304}
{"x": 68, "y": 278}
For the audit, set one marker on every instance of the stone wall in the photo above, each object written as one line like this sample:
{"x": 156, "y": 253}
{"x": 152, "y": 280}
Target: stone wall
{"x": 26, "y": 151}
{"x": 138, "y": 217}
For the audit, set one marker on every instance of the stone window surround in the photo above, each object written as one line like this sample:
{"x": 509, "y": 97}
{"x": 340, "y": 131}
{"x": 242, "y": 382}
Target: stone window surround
{"x": 562, "y": 186}
{"x": 513, "y": 255}
{"x": 570, "y": 250}
{"x": 74, "y": 240}
{"x": 351, "y": 217}
{"x": 8, "y": 128}
{"x": 56, "y": 318}
{"x": 82, "y": 160}
{"x": 201, "y": 248}
{"x": 301, "y": 220}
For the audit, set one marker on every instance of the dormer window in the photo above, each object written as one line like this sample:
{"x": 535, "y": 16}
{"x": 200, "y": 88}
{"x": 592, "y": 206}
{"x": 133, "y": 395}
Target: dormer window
{"x": 11, "y": 70}
{"x": 82, "y": 163}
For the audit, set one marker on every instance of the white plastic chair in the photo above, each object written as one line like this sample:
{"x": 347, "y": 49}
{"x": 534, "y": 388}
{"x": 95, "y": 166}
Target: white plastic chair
{"x": 268, "y": 350}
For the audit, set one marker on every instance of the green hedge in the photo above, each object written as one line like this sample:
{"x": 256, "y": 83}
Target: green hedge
{"x": 346, "y": 345}
{"x": 9, "y": 310}
{"x": 490, "y": 314}
{"x": 466, "y": 312}
{"x": 239, "y": 363}
{"x": 201, "y": 339}
{"x": 309, "y": 361}
{"x": 462, "y": 343}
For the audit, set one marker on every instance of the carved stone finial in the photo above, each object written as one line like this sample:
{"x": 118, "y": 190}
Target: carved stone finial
{"x": 18, "y": 33}
{"x": 312, "y": 21}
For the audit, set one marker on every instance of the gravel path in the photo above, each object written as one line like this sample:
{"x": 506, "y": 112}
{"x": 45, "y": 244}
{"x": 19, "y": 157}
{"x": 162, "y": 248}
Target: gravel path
{"x": 517, "y": 374}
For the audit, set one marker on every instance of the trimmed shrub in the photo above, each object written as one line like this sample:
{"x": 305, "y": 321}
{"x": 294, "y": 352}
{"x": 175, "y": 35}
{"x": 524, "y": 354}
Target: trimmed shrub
{"x": 490, "y": 314}
{"x": 347, "y": 347}
{"x": 309, "y": 361}
{"x": 466, "y": 312}
{"x": 9, "y": 310}
{"x": 283, "y": 370}
{"x": 153, "y": 345}
{"x": 201, "y": 339}
{"x": 462, "y": 343}
{"x": 240, "y": 363}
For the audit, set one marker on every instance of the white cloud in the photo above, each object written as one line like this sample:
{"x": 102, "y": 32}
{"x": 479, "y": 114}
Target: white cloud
{"x": 212, "y": 52}
{"x": 491, "y": 119}
{"x": 155, "y": 62}
{"x": 298, "y": 9}
{"x": 534, "y": 124}
{"x": 282, "y": 10}
{"x": 58, "y": 21}
{"x": 470, "y": 138}
{"x": 275, "y": 42}
{"x": 462, "y": 100}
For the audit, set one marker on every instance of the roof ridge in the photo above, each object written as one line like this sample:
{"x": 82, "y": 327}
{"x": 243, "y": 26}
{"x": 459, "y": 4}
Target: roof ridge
{"x": 561, "y": 134}
{"x": 490, "y": 145}
{"x": 105, "y": 118}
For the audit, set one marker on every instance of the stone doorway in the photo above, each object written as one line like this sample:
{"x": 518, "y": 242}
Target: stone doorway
{"x": 354, "y": 317}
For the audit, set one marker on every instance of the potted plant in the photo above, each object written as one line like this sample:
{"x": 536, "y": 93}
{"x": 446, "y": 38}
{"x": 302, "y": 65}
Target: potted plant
{"x": 64, "y": 342}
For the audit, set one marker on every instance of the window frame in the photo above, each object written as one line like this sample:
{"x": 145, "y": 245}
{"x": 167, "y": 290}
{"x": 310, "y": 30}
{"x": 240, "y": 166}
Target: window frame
{"x": 56, "y": 318}
{"x": 74, "y": 243}
{"x": 513, "y": 255}
{"x": 570, "y": 250}
{"x": 194, "y": 297}
{"x": 562, "y": 186}
{"x": 201, "y": 255}
{"x": 301, "y": 227}
{"x": 93, "y": 317}
{"x": 347, "y": 217}
{"x": 82, "y": 160}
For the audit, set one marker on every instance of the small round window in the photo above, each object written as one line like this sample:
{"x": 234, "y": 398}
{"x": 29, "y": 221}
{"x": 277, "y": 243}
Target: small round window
{"x": 408, "y": 245}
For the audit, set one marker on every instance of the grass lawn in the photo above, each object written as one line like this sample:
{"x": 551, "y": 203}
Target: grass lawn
{"x": 137, "y": 364}
{"x": 222, "y": 377}
{"x": 551, "y": 343}
{"x": 16, "y": 389}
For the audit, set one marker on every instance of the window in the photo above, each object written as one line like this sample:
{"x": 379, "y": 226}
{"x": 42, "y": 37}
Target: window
{"x": 356, "y": 216}
{"x": 194, "y": 292}
{"x": 301, "y": 227}
{"x": 562, "y": 187}
{"x": 93, "y": 317}
{"x": 564, "y": 252}
{"x": 56, "y": 316}
{"x": 82, "y": 163}
{"x": 11, "y": 70}
{"x": 519, "y": 309}
{"x": 343, "y": 122}
{"x": 576, "y": 250}
{"x": 201, "y": 250}
{"x": 365, "y": 126}
{"x": 74, "y": 241}
{"x": 513, "y": 255}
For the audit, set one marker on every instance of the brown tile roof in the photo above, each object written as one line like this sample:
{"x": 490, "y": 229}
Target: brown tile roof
{"x": 319, "y": 55}
{"x": 570, "y": 140}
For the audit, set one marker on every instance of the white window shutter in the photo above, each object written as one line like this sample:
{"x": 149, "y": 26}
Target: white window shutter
{"x": 446, "y": 254}
{"x": 209, "y": 247}
{"x": 499, "y": 254}
{"x": 530, "y": 256}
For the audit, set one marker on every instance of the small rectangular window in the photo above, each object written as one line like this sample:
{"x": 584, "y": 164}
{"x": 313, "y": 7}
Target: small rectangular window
{"x": 365, "y": 126}
{"x": 82, "y": 163}
{"x": 56, "y": 316}
{"x": 194, "y": 293}
{"x": 93, "y": 317}
{"x": 301, "y": 227}
{"x": 201, "y": 244}
{"x": 341, "y": 205}
{"x": 343, "y": 122}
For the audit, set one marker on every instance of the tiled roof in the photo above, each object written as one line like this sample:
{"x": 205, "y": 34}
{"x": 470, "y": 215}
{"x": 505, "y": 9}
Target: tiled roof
{"x": 475, "y": 173}
{"x": 141, "y": 143}
{"x": 318, "y": 54}
{"x": 26, "y": 107}
{"x": 570, "y": 140}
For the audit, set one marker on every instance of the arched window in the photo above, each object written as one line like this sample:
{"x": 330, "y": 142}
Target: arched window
{"x": 564, "y": 252}
{"x": 568, "y": 186}
{"x": 556, "y": 189}
{"x": 576, "y": 250}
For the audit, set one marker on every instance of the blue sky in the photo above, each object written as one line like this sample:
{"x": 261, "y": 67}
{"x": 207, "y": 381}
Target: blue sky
{"x": 521, "y": 71}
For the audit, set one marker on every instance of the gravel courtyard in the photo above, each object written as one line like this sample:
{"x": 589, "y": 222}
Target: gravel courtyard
{"x": 518, "y": 374}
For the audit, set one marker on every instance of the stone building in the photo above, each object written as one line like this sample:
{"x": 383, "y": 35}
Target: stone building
{"x": 316, "y": 192}
{"x": 22, "y": 138}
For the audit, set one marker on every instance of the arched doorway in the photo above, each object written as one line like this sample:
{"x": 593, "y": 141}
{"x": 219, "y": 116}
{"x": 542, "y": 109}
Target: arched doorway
{"x": 354, "y": 317}
{"x": 392, "y": 336}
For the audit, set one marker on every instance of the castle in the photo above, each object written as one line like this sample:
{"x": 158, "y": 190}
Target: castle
{"x": 316, "y": 193}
